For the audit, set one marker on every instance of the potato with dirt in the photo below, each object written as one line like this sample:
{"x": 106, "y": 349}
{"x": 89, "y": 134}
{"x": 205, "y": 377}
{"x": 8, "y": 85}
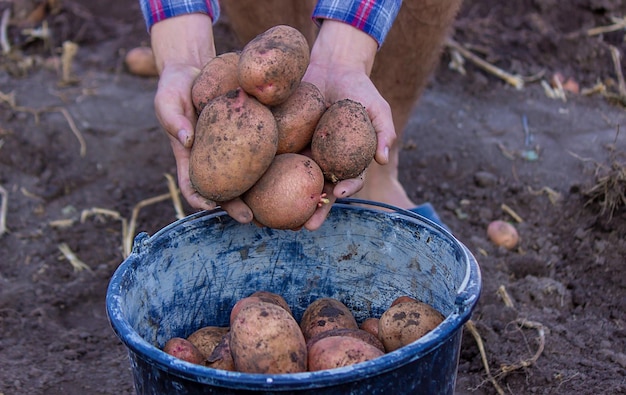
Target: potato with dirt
{"x": 183, "y": 349}
{"x": 325, "y": 314}
{"x": 217, "y": 77}
{"x": 235, "y": 142}
{"x": 370, "y": 325}
{"x": 221, "y": 357}
{"x": 265, "y": 338}
{"x": 348, "y": 332}
{"x": 288, "y": 194}
{"x": 339, "y": 351}
{"x": 344, "y": 141}
{"x": 297, "y": 118}
{"x": 207, "y": 338}
{"x": 405, "y": 322}
{"x": 272, "y": 64}
{"x": 256, "y": 297}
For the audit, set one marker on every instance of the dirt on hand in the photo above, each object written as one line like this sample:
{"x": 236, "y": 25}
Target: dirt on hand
{"x": 83, "y": 158}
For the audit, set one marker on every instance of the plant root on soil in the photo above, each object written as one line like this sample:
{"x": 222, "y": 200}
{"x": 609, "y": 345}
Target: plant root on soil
{"x": 506, "y": 369}
{"x": 76, "y": 263}
{"x": 9, "y": 98}
{"x": 3, "y": 210}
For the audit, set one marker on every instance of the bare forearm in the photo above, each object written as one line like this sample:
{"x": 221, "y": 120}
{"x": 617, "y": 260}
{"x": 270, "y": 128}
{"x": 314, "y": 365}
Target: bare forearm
{"x": 183, "y": 40}
{"x": 339, "y": 44}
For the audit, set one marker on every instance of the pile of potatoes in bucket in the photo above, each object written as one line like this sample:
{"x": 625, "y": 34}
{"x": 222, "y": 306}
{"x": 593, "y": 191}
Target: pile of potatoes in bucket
{"x": 264, "y": 337}
{"x": 268, "y": 137}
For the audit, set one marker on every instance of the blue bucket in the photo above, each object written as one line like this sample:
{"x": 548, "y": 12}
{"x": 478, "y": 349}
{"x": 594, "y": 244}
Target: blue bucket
{"x": 190, "y": 274}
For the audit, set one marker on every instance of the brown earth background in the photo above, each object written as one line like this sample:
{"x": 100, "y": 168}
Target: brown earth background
{"x": 551, "y": 316}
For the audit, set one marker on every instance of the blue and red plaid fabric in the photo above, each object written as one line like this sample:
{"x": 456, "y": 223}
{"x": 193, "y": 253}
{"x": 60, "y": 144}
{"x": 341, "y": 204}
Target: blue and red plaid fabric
{"x": 158, "y": 10}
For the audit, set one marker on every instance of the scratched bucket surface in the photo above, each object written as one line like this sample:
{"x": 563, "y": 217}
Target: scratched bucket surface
{"x": 190, "y": 274}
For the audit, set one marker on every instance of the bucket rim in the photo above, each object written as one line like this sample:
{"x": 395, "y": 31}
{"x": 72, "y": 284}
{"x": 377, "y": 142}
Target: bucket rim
{"x": 466, "y": 299}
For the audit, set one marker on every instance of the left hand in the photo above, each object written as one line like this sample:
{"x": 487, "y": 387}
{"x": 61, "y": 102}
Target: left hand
{"x": 341, "y": 61}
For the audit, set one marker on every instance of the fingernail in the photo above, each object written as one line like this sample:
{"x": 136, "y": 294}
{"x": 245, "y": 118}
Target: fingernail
{"x": 183, "y": 137}
{"x": 386, "y": 154}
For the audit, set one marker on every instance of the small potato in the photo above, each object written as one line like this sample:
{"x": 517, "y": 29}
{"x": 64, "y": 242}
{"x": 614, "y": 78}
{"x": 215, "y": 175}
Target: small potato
{"x": 297, "y": 118}
{"x": 502, "y": 233}
{"x": 185, "y": 350}
{"x": 272, "y": 64}
{"x": 221, "y": 357}
{"x": 140, "y": 61}
{"x": 216, "y": 78}
{"x": 344, "y": 141}
{"x": 207, "y": 338}
{"x": 235, "y": 142}
{"x": 288, "y": 193}
{"x": 338, "y": 351}
{"x": 406, "y": 322}
{"x": 349, "y": 332}
{"x": 265, "y": 338}
{"x": 325, "y": 314}
{"x": 370, "y": 325}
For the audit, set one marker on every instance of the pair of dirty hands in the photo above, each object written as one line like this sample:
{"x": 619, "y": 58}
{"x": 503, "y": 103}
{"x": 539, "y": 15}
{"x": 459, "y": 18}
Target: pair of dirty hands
{"x": 341, "y": 61}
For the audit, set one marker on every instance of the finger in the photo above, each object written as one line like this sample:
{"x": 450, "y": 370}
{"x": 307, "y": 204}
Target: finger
{"x": 192, "y": 197}
{"x": 347, "y": 188}
{"x": 320, "y": 214}
{"x": 382, "y": 119}
{"x": 174, "y": 120}
{"x": 238, "y": 210}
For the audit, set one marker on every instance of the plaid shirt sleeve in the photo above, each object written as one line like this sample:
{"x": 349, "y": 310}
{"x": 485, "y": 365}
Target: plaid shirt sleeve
{"x": 374, "y": 17}
{"x": 157, "y": 10}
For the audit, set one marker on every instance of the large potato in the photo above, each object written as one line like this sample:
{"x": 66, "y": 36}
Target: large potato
{"x": 273, "y": 63}
{"x": 207, "y": 338}
{"x": 288, "y": 194}
{"x": 344, "y": 141}
{"x": 338, "y": 351}
{"x": 325, "y": 314}
{"x": 256, "y": 297}
{"x": 216, "y": 78}
{"x": 405, "y": 322}
{"x": 297, "y": 118}
{"x": 265, "y": 338}
{"x": 235, "y": 142}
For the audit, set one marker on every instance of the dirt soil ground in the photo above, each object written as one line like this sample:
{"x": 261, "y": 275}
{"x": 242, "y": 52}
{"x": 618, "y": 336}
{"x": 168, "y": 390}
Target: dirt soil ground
{"x": 551, "y": 316}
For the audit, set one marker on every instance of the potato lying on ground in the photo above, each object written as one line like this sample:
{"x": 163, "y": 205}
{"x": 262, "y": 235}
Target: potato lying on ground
{"x": 297, "y": 118}
{"x": 325, "y": 314}
{"x": 344, "y": 141}
{"x": 348, "y": 332}
{"x": 140, "y": 61}
{"x": 503, "y": 234}
{"x": 184, "y": 349}
{"x": 235, "y": 142}
{"x": 221, "y": 357}
{"x": 338, "y": 351}
{"x": 216, "y": 78}
{"x": 288, "y": 194}
{"x": 207, "y": 338}
{"x": 406, "y": 322}
{"x": 265, "y": 338}
{"x": 273, "y": 63}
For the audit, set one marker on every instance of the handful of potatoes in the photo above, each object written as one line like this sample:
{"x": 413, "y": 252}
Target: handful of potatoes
{"x": 264, "y": 337}
{"x": 257, "y": 118}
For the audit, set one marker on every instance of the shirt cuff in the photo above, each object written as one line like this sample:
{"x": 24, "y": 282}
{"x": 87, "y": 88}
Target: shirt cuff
{"x": 374, "y": 17}
{"x": 158, "y": 10}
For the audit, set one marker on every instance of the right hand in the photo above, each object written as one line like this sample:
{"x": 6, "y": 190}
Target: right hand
{"x": 178, "y": 67}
